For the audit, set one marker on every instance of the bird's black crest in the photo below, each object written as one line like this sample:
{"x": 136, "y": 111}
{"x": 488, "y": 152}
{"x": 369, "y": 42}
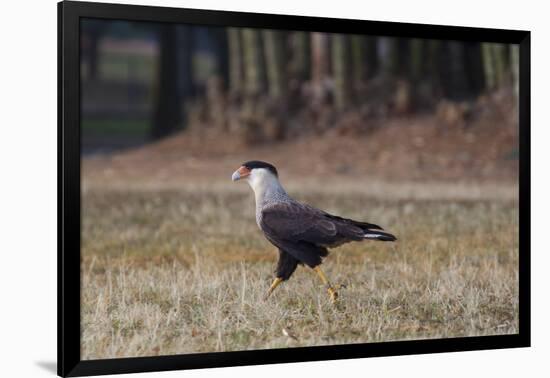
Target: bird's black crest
{"x": 261, "y": 164}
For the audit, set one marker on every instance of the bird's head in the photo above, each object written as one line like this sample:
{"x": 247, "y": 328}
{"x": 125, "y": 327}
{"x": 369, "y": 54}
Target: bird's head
{"x": 256, "y": 173}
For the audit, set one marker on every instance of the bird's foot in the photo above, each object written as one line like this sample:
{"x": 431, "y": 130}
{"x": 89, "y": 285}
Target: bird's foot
{"x": 276, "y": 282}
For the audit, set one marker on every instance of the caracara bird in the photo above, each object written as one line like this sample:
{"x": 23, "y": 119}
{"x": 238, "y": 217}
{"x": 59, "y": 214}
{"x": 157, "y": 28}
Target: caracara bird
{"x": 301, "y": 232}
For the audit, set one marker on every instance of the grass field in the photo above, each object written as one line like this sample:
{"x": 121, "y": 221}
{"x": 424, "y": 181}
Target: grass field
{"x": 168, "y": 271}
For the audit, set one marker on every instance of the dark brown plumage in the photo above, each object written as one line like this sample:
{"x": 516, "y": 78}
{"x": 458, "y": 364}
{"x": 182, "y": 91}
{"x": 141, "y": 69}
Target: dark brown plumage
{"x": 305, "y": 233}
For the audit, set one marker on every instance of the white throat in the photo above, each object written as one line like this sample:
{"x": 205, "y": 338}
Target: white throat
{"x": 264, "y": 184}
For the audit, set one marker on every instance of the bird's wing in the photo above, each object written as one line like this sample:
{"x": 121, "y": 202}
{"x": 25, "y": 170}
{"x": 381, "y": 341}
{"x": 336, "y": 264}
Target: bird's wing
{"x": 299, "y": 230}
{"x": 294, "y": 221}
{"x": 306, "y": 232}
{"x": 307, "y": 253}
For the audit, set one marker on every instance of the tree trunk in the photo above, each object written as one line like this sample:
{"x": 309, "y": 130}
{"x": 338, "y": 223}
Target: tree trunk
{"x": 398, "y": 57}
{"x": 359, "y": 59}
{"x": 416, "y": 58}
{"x": 320, "y": 69}
{"x": 514, "y": 67}
{"x": 236, "y": 64}
{"x": 254, "y": 73}
{"x": 221, "y": 52}
{"x": 94, "y": 30}
{"x": 93, "y": 61}
{"x": 489, "y": 65}
{"x": 274, "y": 44}
{"x": 458, "y": 83}
{"x": 319, "y": 57}
{"x": 384, "y": 56}
{"x": 300, "y": 62}
{"x": 393, "y": 56}
{"x": 473, "y": 62}
{"x": 167, "y": 108}
{"x": 185, "y": 61}
{"x": 371, "y": 56}
{"x": 341, "y": 70}
{"x": 499, "y": 59}
{"x": 431, "y": 67}
{"x": 444, "y": 68}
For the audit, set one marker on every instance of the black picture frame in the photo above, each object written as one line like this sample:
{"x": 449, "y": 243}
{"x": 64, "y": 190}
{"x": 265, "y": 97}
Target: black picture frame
{"x": 69, "y": 222}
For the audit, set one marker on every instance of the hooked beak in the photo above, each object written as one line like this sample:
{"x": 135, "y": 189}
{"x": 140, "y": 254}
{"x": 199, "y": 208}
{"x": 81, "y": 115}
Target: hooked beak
{"x": 236, "y": 176}
{"x": 240, "y": 173}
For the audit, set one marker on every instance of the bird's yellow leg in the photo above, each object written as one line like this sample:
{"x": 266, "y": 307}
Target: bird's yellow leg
{"x": 275, "y": 283}
{"x": 331, "y": 291}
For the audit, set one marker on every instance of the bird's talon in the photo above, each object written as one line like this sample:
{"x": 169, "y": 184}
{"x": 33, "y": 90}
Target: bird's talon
{"x": 276, "y": 282}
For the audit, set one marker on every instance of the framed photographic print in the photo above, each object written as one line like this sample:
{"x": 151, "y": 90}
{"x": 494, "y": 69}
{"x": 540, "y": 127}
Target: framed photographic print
{"x": 239, "y": 188}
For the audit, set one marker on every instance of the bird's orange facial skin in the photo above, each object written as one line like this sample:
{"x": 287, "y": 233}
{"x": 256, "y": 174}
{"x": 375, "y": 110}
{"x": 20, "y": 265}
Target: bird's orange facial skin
{"x": 243, "y": 171}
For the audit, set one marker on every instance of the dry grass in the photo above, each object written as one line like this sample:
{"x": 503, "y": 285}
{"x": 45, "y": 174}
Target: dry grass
{"x": 169, "y": 272}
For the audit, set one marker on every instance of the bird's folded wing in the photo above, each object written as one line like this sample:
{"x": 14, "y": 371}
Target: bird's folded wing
{"x": 295, "y": 221}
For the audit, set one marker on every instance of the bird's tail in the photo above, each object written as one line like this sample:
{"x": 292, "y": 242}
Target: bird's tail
{"x": 379, "y": 235}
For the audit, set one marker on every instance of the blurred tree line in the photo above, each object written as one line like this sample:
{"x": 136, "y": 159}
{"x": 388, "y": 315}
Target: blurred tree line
{"x": 269, "y": 84}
